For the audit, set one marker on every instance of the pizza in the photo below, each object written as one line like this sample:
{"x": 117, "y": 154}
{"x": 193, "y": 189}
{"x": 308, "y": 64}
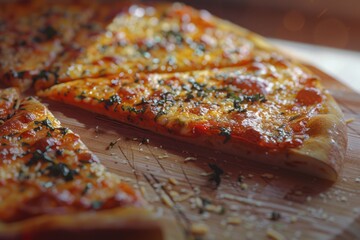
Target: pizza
{"x": 161, "y": 38}
{"x": 269, "y": 110}
{"x": 184, "y": 73}
{"x": 166, "y": 68}
{"x": 50, "y": 183}
{"x": 38, "y": 37}
{"x": 108, "y": 39}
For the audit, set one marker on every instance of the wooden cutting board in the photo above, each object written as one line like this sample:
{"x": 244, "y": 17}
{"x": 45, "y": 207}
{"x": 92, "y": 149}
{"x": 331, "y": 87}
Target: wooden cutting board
{"x": 252, "y": 200}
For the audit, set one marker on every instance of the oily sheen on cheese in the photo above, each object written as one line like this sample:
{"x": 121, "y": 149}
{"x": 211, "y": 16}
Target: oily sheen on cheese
{"x": 50, "y": 181}
{"x": 188, "y": 75}
{"x": 263, "y": 110}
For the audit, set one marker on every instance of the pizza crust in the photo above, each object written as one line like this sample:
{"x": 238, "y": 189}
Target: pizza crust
{"x": 323, "y": 153}
{"x": 127, "y": 218}
{"x": 120, "y": 223}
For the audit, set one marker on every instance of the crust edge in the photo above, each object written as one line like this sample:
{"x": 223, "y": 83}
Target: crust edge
{"x": 128, "y": 222}
{"x": 321, "y": 155}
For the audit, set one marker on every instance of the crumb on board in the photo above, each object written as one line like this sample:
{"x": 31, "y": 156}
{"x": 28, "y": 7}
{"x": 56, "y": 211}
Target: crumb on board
{"x": 166, "y": 200}
{"x": 188, "y": 159}
{"x": 199, "y": 202}
{"x": 183, "y": 197}
{"x": 240, "y": 178}
{"x": 163, "y": 156}
{"x": 206, "y": 174}
{"x": 233, "y": 220}
{"x": 112, "y": 144}
{"x": 243, "y": 186}
{"x": 293, "y": 219}
{"x": 174, "y": 194}
{"x": 275, "y": 216}
{"x": 244, "y": 200}
{"x": 357, "y": 180}
{"x": 343, "y": 199}
{"x": 145, "y": 141}
{"x": 219, "y": 209}
{"x": 143, "y": 192}
{"x": 173, "y": 181}
{"x": 199, "y": 229}
{"x": 274, "y": 235}
{"x": 350, "y": 120}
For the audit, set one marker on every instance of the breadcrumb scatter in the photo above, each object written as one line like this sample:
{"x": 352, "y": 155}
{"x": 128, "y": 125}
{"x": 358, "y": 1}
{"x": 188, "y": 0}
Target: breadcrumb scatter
{"x": 199, "y": 229}
{"x": 273, "y": 234}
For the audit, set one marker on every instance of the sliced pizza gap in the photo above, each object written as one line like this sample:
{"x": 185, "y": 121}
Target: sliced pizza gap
{"x": 51, "y": 182}
{"x": 270, "y": 110}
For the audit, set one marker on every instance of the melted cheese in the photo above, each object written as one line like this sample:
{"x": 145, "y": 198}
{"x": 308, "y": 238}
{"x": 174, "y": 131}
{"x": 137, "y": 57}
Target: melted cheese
{"x": 266, "y": 102}
{"x": 46, "y": 169}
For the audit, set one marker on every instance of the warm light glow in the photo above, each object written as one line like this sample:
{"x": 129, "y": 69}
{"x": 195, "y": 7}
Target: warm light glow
{"x": 331, "y": 32}
{"x": 294, "y": 21}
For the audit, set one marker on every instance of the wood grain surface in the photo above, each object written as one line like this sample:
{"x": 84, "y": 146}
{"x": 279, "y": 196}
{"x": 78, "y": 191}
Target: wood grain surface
{"x": 252, "y": 201}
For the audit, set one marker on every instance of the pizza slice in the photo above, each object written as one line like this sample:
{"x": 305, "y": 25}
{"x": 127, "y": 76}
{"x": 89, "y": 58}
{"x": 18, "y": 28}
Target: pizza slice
{"x": 271, "y": 110}
{"x": 40, "y": 36}
{"x": 161, "y": 38}
{"x": 53, "y": 187}
{"x": 46, "y": 42}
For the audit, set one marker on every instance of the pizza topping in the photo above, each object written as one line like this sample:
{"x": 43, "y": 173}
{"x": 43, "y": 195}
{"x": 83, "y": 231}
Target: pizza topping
{"x": 309, "y": 96}
{"x": 231, "y": 103}
{"x": 199, "y": 229}
{"x": 9, "y": 102}
{"x": 178, "y": 41}
{"x": 114, "y": 99}
{"x": 55, "y": 169}
{"x": 45, "y": 33}
{"x": 226, "y": 132}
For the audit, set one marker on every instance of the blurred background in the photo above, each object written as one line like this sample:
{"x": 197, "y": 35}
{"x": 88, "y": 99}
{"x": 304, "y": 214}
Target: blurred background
{"x": 334, "y": 23}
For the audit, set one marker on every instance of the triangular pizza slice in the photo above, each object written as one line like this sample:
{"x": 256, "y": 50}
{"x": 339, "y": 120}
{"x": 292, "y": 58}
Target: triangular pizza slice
{"x": 53, "y": 187}
{"x": 46, "y": 42}
{"x": 160, "y": 38}
{"x": 271, "y": 110}
{"x": 37, "y": 37}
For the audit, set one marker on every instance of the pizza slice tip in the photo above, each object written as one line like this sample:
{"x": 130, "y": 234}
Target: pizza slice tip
{"x": 53, "y": 186}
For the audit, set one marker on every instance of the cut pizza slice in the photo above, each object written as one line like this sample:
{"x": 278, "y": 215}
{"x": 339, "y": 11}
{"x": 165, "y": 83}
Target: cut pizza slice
{"x": 270, "y": 109}
{"x": 53, "y": 187}
{"x": 40, "y": 36}
{"x": 161, "y": 38}
{"x": 46, "y": 42}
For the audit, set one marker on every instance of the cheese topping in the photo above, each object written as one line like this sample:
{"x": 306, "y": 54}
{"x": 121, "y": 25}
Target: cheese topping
{"x": 46, "y": 169}
{"x": 266, "y": 102}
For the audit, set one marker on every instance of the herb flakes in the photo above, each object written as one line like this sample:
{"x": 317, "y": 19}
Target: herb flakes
{"x": 215, "y": 176}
